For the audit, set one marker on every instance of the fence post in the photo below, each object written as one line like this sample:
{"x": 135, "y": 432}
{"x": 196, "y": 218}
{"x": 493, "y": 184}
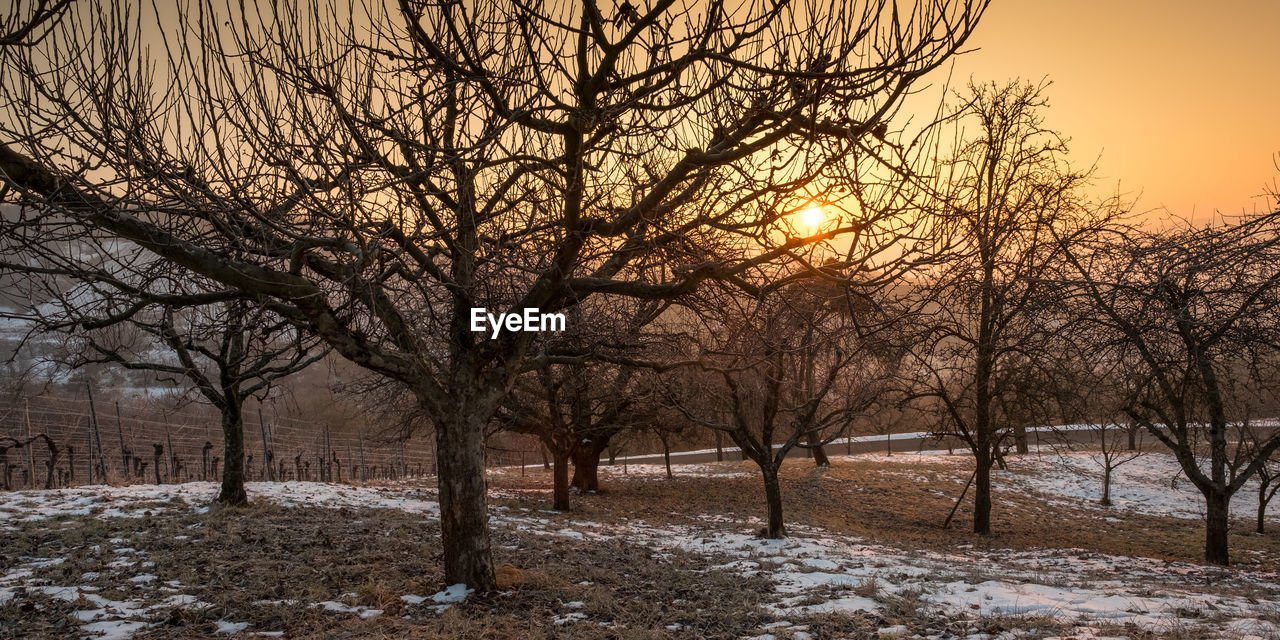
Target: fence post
{"x": 266, "y": 460}
{"x": 124, "y": 453}
{"x": 324, "y": 462}
{"x": 97, "y": 434}
{"x": 173, "y": 455}
{"x": 364, "y": 471}
{"x": 31, "y": 454}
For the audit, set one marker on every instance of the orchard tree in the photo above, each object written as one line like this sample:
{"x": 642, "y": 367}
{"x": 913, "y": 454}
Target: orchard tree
{"x": 146, "y": 316}
{"x": 987, "y": 311}
{"x": 574, "y": 409}
{"x": 373, "y": 171}
{"x": 1268, "y": 486}
{"x": 790, "y": 369}
{"x": 1194, "y": 315}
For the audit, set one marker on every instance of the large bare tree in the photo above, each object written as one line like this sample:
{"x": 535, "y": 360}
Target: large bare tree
{"x": 1193, "y": 316}
{"x": 987, "y": 311}
{"x": 374, "y": 171}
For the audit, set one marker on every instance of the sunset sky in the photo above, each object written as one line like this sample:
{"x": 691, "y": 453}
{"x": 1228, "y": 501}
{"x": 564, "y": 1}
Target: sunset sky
{"x": 1180, "y": 97}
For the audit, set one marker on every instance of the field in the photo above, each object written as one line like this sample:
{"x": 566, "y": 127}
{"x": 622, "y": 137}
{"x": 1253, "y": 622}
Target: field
{"x": 648, "y": 558}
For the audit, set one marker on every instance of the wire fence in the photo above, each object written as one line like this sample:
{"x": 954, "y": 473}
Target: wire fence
{"x": 50, "y": 442}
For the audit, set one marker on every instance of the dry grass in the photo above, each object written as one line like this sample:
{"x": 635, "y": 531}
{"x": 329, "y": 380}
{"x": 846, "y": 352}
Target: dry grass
{"x": 886, "y": 503}
{"x": 244, "y": 562}
{"x": 266, "y": 564}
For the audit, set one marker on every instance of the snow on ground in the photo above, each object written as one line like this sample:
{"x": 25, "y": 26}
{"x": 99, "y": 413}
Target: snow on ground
{"x": 709, "y": 470}
{"x": 133, "y": 501}
{"x": 452, "y": 595}
{"x": 939, "y": 457}
{"x": 927, "y": 436}
{"x": 818, "y": 572}
{"x": 813, "y": 571}
{"x": 104, "y": 617}
{"x": 1151, "y": 484}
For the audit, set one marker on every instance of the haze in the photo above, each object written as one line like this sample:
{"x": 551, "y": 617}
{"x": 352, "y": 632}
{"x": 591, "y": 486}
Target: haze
{"x": 1178, "y": 97}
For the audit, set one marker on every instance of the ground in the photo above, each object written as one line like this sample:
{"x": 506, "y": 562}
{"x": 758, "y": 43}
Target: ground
{"x": 648, "y": 558}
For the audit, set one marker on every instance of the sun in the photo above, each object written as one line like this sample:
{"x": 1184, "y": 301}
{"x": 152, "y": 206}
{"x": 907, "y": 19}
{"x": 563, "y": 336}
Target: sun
{"x": 813, "y": 217}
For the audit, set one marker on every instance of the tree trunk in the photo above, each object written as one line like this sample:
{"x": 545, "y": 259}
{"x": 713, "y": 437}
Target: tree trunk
{"x": 719, "y": 446}
{"x": 1133, "y": 437}
{"x": 820, "y": 458}
{"x": 1216, "y": 523}
{"x": 464, "y": 517}
{"x": 773, "y": 500}
{"x": 586, "y": 464}
{"x": 1106, "y": 485}
{"x": 666, "y": 457}
{"x": 560, "y": 481}
{"x": 1262, "y": 507}
{"x": 982, "y": 497}
{"x": 51, "y": 464}
{"x": 232, "y": 492}
{"x": 1020, "y": 438}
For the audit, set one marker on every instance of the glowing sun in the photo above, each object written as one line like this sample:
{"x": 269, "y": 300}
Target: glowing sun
{"x": 813, "y": 217}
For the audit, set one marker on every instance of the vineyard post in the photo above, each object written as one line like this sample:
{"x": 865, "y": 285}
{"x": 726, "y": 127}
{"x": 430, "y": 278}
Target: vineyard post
{"x": 124, "y": 453}
{"x": 364, "y": 471}
{"x": 266, "y": 463}
{"x": 88, "y": 432}
{"x": 327, "y": 453}
{"x": 31, "y": 455}
{"x": 173, "y": 456}
{"x": 97, "y": 435}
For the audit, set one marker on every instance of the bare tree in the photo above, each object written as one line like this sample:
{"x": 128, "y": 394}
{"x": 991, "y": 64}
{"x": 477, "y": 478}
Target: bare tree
{"x": 793, "y": 369}
{"x": 613, "y": 399}
{"x": 147, "y": 318}
{"x": 1267, "y": 489}
{"x": 1194, "y": 315}
{"x": 573, "y": 409}
{"x": 27, "y": 23}
{"x": 1255, "y": 435}
{"x": 986, "y": 313}
{"x": 374, "y": 173}
{"x": 1091, "y": 390}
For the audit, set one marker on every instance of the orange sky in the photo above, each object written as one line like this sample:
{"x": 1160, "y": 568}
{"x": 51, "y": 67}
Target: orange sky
{"x": 1180, "y": 97}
